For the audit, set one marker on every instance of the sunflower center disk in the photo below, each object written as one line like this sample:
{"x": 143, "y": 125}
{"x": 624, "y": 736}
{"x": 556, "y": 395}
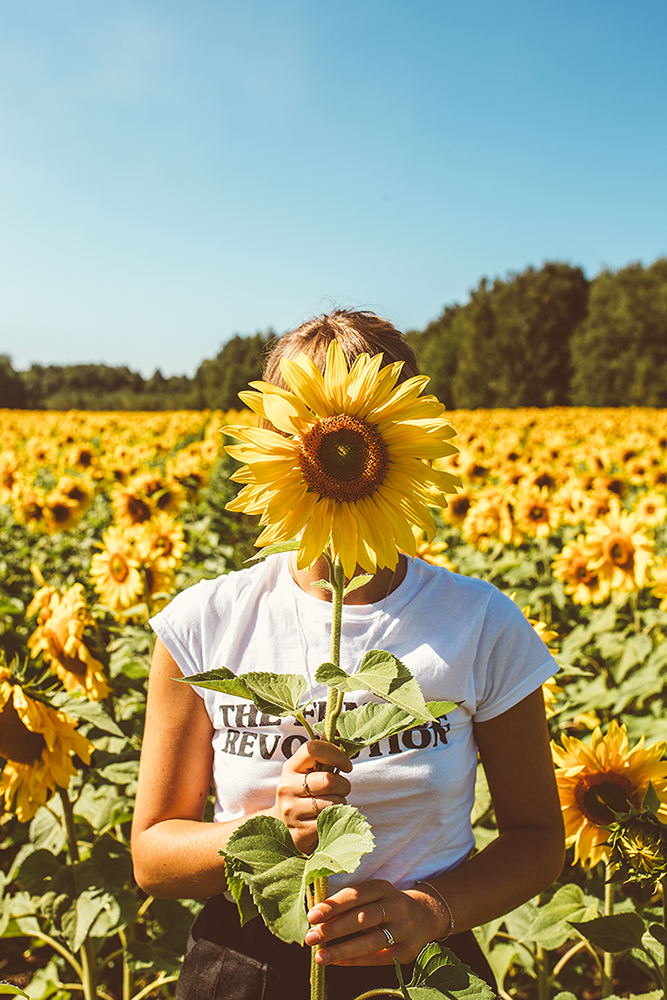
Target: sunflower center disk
{"x": 17, "y": 742}
{"x": 598, "y": 794}
{"x": 343, "y": 458}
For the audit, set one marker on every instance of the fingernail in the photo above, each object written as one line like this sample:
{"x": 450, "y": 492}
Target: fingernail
{"x": 311, "y": 938}
{"x": 322, "y": 957}
{"x": 315, "y": 916}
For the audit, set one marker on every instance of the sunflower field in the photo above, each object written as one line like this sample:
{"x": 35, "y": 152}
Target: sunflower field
{"x": 104, "y": 517}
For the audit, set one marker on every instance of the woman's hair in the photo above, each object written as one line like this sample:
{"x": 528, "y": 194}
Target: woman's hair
{"x": 357, "y": 332}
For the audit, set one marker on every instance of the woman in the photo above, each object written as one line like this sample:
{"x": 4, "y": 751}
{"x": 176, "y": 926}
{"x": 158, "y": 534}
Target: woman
{"x": 462, "y": 640}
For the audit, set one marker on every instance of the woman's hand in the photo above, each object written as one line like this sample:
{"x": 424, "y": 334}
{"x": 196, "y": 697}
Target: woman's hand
{"x": 303, "y": 792}
{"x": 388, "y": 922}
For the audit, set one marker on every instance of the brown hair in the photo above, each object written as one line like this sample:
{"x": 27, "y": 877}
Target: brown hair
{"x": 357, "y": 332}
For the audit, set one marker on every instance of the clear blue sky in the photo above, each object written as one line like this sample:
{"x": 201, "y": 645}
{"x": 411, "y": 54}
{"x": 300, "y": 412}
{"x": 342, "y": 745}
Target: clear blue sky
{"x": 173, "y": 173}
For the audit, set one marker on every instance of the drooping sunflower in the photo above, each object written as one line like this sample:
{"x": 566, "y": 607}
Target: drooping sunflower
{"x": 63, "y": 619}
{"x": 39, "y": 744}
{"x": 114, "y": 570}
{"x": 349, "y": 460}
{"x": 594, "y": 780}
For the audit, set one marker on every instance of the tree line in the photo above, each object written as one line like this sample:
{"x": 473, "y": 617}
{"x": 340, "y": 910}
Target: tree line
{"x": 539, "y": 337}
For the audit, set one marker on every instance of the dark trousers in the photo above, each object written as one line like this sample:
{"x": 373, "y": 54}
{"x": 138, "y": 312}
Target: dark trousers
{"x": 225, "y": 961}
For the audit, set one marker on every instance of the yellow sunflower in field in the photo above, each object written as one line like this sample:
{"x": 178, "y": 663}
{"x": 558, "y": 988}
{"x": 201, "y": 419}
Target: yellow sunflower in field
{"x": 619, "y": 551}
{"x": 9, "y": 475}
{"x": 114, "y": 570}
{"x": 651, "y": 509}
{"x": 491, "y": 517}
{"x": 160, "y": 540}
{"x": 431, "y": 552}
{"x": 593, "y": 781}
{"x": 39, "y": 744}
{"x": 349, "y": 461}
{"x": 572, "y": 567}
{"x": 59, "y": 512}
{"x": 536, "y": 514}
{"x": 63, "y": 619}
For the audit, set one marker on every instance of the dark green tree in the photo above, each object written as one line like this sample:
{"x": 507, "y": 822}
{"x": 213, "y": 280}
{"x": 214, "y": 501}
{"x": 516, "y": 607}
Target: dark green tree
{"x": 437, "y": 350}
{"x": 619, "y": 353}
{"x": 12, "y": 390}
{"x": 220, "y": 379}
{"x": 514, "y": 338}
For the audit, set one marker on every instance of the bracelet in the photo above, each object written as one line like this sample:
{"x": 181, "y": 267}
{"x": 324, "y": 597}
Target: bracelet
{"x": 450, "y": 929}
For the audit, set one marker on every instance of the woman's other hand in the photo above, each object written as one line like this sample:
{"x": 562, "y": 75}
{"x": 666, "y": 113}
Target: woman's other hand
{"x": 387, "y": 922}
{"x": 304, "y": 791}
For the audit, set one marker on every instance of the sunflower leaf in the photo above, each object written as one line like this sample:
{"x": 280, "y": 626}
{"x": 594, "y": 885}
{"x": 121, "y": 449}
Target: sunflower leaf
{"x": 344, "y": 836}
{"x": 620, "y": 932}
{"x": 550, "y": 927}
{"x": 222, "y": 679}
{"x": 261, "y": 853}
{"x": 276, "y": 694}
{"x": 274, "y": 550}
{"x": 438, "y": 969}
{"x": 9, "y": 988}
{"x": 361, "y": 727}
{"x": 356, "y": 582}
{"x": 651, "y": 801}
{"x": 384, "y": 675}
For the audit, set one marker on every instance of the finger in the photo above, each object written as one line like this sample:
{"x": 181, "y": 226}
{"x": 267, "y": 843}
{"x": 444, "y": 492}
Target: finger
{"x": 365, "y": 918}
{"x": 315, "y": 752}
{"x": 373, "y": 944}
{"x": 325, "y": 785}
{"x": 350, "y": 898}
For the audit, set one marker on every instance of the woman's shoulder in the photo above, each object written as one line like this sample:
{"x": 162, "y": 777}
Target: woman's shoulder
{"x": 223, "y": 591}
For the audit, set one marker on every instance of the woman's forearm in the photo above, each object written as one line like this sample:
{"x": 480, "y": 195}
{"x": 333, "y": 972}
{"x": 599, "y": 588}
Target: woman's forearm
{"x": 518, "y": 864}
{"x": 180, "y": 859}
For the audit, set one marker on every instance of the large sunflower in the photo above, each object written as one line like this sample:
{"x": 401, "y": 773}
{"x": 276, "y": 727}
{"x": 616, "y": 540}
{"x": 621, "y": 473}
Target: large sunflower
{"x": 593, "y": 781}
{"x": 39, "y": 744}
{"x": 63, "y": 619}
{"x": 348, "y": 461}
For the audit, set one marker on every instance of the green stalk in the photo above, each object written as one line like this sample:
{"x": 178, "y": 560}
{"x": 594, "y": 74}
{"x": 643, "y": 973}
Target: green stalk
{"x": 86, "y": 951}
{"x": 543, "y": 977}
{"x": 663, "y": 886}
{"x": 334, "y": 707}
{"x": 609, "y": 959}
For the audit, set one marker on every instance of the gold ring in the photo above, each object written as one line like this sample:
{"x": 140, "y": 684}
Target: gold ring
{"x": 387, "y": 933}
{"x": 316, "y": 811}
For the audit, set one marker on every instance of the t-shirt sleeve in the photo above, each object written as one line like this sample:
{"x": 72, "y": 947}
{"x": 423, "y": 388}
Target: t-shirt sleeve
{"x": 513, "y": 660}
{"x": 180, "y": 626}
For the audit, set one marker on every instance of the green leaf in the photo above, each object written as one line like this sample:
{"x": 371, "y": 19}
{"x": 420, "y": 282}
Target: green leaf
{"x": 658, "y": 932}
{"x": 91, "y": 711}
{"x": 35, "y": 870}
{"x": 356, "y": 582}
{"x": 551, "y": 925}
{"x": 273, "y": 550}
{"x": 79, "y": 918}
{"x": 361, "y": 727}
{"x": 437, "y": 968}
{"x": 323, "y": 585}
{"x": 384, "y": 675}
{"x": 620, "y": 932}
{"x": 276, "y": 694}
{"x": 9, "y": 988}
{"x": 121, "y": 773}
{"x": 651, "y": 801}
{"x": 262, "y": 854}
{"x": 221, "y": 679}
{"x": 344, "y": 836}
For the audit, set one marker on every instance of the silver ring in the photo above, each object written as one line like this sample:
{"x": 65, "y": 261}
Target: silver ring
{"x": 387, "y": 933}
{"x": 305, "y": 785}
{"x": 384, "y": 915}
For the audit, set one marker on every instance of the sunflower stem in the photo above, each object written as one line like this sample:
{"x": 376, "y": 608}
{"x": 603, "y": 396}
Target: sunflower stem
{"x": 86, "y": 953}
{"x": 334, "y": 706}
{"x": 609, "y": 959}
{"x": 663, "y": 886}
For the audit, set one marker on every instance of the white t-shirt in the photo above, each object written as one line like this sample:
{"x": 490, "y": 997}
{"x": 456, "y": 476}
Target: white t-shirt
{"x": 460, "y": 637}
